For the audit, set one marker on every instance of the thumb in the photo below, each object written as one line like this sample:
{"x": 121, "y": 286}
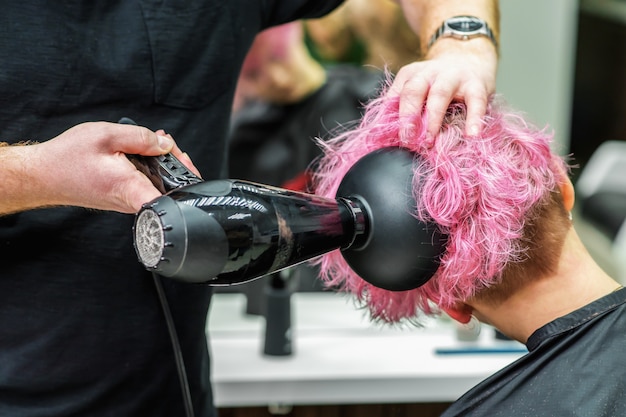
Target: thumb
{"x": 142, "y": 141}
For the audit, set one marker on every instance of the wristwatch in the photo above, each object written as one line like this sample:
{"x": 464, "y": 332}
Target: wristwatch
{"x": 463, "y": 27}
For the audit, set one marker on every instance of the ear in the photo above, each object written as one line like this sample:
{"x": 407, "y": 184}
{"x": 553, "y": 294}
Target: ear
{"x": 567, "y": 189}
{"x": 567, "y": 192}
{"x": 461, "y": 313}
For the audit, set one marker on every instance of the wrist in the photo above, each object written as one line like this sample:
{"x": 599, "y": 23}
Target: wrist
{"x": 480, "y": 49}
{"x": 462, "y": 29}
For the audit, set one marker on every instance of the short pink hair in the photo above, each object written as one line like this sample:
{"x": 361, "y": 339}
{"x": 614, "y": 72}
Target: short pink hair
{"x": 478, "y": 190}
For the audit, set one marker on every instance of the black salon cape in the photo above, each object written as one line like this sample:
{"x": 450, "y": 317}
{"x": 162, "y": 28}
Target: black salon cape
{"x": 576, "y": 366}
{"x": 81, "y": 329}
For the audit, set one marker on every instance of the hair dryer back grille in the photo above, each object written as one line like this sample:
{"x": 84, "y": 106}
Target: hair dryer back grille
{"x": 149, "y": 238}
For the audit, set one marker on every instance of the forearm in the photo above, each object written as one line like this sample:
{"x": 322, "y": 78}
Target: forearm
{"x": 22, "y": 186}
{"x": 425, "y": 16}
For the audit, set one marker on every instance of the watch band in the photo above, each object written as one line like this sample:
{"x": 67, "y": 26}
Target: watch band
{"x": 464, "y": 28}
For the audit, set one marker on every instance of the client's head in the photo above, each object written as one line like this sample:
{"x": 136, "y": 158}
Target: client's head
{"x": 502, "y": 199}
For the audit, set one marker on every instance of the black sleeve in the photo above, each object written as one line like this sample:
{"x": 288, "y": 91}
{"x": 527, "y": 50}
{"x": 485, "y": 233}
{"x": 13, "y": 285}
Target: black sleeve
{"x": 277, "y": 12}
{"x": 246, "y": 18}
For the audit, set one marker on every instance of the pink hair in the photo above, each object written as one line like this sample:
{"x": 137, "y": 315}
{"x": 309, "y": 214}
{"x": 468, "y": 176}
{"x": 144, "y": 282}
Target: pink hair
{"x": 478, "y": 190}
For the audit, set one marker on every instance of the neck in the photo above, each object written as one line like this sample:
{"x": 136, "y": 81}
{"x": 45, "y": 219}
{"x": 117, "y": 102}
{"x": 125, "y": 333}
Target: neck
{"x": 577, "y": 282}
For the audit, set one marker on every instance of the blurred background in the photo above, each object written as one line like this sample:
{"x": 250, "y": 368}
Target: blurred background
{"x": 564, "y": 63}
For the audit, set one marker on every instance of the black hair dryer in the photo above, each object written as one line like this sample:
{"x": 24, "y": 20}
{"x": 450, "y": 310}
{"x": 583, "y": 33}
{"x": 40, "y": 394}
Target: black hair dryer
{"x": 228, "y": 232}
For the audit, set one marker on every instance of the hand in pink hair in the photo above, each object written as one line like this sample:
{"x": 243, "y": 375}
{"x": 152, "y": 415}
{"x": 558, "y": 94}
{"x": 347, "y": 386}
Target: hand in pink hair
{"x": 458, "y": 72}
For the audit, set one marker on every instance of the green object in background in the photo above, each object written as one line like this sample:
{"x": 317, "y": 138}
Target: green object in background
{"x": 356, "y": 54}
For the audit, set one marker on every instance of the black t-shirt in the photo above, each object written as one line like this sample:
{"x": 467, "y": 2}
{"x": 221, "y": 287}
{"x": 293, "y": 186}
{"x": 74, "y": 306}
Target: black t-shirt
{"x": 81, "y": 328}
{"x": 576, "y": 366}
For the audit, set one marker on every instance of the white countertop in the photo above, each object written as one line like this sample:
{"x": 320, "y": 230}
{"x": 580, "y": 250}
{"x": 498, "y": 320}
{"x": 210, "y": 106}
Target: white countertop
{"x": 340, "y": 357}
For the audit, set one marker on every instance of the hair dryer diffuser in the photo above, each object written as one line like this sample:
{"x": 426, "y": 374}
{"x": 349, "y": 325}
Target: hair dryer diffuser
{"x": 226, "y": 232}
{"x": 399, "y": 251}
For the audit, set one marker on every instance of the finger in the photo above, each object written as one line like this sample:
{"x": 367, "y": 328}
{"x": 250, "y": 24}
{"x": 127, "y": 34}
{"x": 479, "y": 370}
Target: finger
{"x": 137, "y": 192}
{"x": 397, "y": 83}
{"x": 437, "y": 104}
{"x": 412, "y": 97}
{"x": 476, "y": 110}
{"x": 411, "y": 85}
{"x": 181, "y": 156}
{"x": 436, "y": 113}
{"x": 185, "y": 159}
{"x": 139, "y": 140}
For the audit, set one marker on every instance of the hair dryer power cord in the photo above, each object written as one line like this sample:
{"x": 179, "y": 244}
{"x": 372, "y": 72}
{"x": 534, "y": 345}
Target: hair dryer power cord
{"x": 178, "y": 355}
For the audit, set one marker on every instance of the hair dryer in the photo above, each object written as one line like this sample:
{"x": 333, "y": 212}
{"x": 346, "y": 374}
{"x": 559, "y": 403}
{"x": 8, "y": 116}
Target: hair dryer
{"x": 226, "y": 232}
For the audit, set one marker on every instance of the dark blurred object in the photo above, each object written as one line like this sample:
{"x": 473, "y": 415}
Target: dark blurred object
{"x": 599, "y": 101}
{"x": 500, "y": 336}
{"x": 274, "y": 143}
{"x": 601, "y": 188}
{"x": 606, "y": 210}
{"x": 601, "y": 192}
{"x": 278, "y": 290}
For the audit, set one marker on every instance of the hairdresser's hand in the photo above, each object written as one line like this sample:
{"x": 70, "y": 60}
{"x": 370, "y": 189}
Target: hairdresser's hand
{"x": 452, "y": 70}
{"x": 87, "y": 166}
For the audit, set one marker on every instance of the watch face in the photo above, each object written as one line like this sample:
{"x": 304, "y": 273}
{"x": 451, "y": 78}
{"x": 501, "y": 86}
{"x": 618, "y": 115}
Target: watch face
{"x": 465, "y": 25}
